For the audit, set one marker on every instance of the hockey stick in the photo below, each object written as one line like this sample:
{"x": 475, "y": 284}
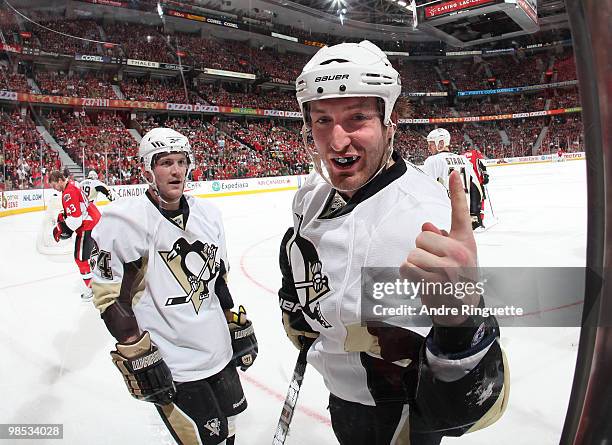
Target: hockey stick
{"x": 282, "y": 429}
{"x": 489, "y": 223}
{"x": 489, "y": 200}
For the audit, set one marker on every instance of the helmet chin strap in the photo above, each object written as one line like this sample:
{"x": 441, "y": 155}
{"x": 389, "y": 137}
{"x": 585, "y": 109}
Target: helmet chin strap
{"x": 155, "y": 189}
{"x": 322, "y": 170}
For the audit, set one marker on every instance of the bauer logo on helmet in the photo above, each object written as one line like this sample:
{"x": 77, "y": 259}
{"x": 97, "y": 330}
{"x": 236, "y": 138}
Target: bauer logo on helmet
{"x": 331, "y": 77}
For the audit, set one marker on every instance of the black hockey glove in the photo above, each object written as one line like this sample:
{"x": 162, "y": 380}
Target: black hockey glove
{"x": 244, "y": 343}
{"x": 145, "y": 373}
{"x": 485, "y": 178}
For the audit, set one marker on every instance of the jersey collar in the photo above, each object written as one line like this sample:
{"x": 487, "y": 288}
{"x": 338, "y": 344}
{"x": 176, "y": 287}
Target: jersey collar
{"x": 331, "y": 209}
{"x": 177, "y": 217}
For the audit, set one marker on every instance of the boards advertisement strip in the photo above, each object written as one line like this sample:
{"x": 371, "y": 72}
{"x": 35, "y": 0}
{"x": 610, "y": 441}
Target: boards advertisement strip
{"x": 22, "y": 201}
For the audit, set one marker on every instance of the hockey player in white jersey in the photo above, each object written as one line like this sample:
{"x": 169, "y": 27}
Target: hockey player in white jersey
{"x": 160, "y": 285}
{"x": 365, "y": 206}
{"x": 442, "y": 162}
{"x": 92, "y": 186}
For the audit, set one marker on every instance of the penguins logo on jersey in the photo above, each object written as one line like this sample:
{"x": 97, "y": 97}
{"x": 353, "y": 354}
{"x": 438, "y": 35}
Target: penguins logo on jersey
{"x": 310, "y": 282}
{"x": 194, "y": 267}
{"x": 214, "y": 426}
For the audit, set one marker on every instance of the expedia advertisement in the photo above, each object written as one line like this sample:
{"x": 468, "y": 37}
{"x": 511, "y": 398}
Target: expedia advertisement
{"x": 226, "y": 186}
{"x": 243, "y": 186}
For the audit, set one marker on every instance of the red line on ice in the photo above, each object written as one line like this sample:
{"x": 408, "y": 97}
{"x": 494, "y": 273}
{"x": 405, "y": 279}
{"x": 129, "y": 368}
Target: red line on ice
{"x": 246, "y": 273}
{"x": 309, "y": 412}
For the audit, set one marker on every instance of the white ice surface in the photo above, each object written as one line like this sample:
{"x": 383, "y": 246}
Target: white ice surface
{"x": 56, "y": 367}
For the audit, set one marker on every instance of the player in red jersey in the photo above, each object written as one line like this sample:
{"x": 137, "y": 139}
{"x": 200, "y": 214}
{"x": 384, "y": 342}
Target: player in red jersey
{"x": 475, "y": 157}
{"x": 79, "y": 216}
{"x": 560, "y": 154}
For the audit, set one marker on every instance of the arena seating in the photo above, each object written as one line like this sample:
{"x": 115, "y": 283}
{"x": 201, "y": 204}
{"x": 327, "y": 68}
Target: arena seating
{"x": 22, "y": 148}
{"x": 237, "y": 147}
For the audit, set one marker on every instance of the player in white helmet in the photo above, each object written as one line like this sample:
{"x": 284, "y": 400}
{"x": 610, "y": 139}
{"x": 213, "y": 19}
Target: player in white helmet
{"x": 442, "y": 162}
{"x": 92, "y": 186}
{"x": 344, "y": 79}
{"x": 365, "y": 206}
{"x": 440, "y": 137}
{"x": 160, "y": 285}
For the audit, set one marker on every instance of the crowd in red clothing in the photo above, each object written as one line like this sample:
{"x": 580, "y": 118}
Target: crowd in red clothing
{"x": 225, "y": 55}
{"x": 522, "y": 135}
{"x": 140, "y": 42}
{"x": 494, "y": 105}
{"x": 417, "y": 76}
{"x": 52, "y": 38}
{"x": 565, "y": 132}
{"x": 157, "y": 90}
{"x": 227, "y": 149}
{"x": 411, "y": 144}
{"x": 466, "y": 74}
{"x": 264, "y": 99}
{"x": 25, "y": 159}
{"x": 513, "y": 71}
{"x": 237, "y": 148}
{"x": 75, "y": 85}
{"x": 102, "y": 138}
{"x": 285, "y": 66}
{"x": 566, "y": 98}
{"x": 522, "y": 103}
{"x": 9, "y": 26}
{"x": 565, "y": 67}
{"x": 156, "y": 43}
{"x": 478, "y": 107}
{"x": 13, "y": 81}
{"x": 173, "y": 89}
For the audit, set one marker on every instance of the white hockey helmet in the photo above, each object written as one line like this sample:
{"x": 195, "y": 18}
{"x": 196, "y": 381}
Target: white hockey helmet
{"x": 349, "y": 70}
{"x": 437, "y": 135}
{"x": 92, "y": 174}
{"x": 164, "y": 140}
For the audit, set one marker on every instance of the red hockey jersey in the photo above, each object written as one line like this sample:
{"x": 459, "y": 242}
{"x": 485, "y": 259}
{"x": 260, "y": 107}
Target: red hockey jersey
{"x": 81, "y": 214}
{"x": 474, "y": 156}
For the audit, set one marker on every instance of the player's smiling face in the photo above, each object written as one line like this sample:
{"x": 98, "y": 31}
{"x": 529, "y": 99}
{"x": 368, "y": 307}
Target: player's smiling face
{"x": 350, "y": 139}
{"x": 170, "y": 171}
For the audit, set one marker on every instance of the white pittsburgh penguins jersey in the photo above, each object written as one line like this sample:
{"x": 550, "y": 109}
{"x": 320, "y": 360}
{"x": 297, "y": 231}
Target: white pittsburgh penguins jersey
{"x": 326, "y": 254}
{"x": 174, "y": 297}
{"x": 89, "y": 187}
{"x": 440, "y": 166}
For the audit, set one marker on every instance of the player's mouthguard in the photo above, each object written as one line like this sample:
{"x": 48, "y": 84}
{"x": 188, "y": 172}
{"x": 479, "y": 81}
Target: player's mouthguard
{"x": 345, "y": 161}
